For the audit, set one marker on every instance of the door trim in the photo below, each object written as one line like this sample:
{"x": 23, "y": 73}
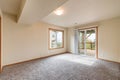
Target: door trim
{"x": 0, "y": 48}
{"x": 96, "y": 30}
{"x": 96, "y": 42}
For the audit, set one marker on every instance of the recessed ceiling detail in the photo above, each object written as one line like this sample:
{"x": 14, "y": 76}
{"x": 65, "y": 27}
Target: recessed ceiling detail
{"x": 10, "y": 6}
{"x": 84, "y": 11}
{"x": 35, "y": 10}
{"x": 72, "y": 11}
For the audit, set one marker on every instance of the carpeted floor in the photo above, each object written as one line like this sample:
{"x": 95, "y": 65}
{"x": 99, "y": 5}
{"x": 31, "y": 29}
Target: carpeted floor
{"x": 63, "y": 67}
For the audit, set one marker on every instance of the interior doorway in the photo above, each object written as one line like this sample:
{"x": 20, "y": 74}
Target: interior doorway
{"x": 87, "y": 44}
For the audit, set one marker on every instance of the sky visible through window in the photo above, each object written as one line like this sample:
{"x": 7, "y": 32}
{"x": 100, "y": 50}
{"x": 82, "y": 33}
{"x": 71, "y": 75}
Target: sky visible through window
{"x": 91, "y": 37}
{"x": 59, "y": 36}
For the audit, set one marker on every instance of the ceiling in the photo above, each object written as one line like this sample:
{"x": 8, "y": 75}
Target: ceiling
{"x": 10, "y": 6}
{"x": 76, "y": 12}
{"x": 34, "y": 10}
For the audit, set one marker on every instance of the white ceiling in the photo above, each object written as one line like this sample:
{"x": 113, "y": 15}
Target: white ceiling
{"x": 10, "y": 6}
{"x": 84, "y": 11}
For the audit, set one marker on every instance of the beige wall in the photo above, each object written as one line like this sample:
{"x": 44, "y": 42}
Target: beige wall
{"x": 0, "y": 12}
{"x": 109, "y": 43}
{"x": 70, "y": 40}
{"x": 119, "y": 49}
{"x": 108, "y": 39}
{"x": 24, "y": 42}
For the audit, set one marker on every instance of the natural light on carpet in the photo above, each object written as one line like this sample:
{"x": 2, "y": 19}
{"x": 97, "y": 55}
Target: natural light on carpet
{"x": 81, "y": 59}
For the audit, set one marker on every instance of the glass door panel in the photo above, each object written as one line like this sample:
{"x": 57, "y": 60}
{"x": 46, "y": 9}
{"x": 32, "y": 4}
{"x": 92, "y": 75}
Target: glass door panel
{"x": 87, "y": 42}
{"x": 81, "y": 47}
{"x": 90, "y": 42}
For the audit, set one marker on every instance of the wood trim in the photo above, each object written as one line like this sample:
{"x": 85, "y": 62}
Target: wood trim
{"x": 96, "y": 42}
{"x": 96, "y": 29}
{"x": 0, "y": 48}
{"x": 33, "y": 59}
{"x": 55, "y": 29}
{"x": 49, "y": 38}
{"x": 109, "y": 60}
{"x": 88, "y": 28}
{"x": 51, "y": 56}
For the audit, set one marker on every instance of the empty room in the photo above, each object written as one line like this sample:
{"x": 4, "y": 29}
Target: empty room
{"x": 59, "y": 39}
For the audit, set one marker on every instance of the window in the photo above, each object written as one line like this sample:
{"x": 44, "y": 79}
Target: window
{"x": 56, "y": 39}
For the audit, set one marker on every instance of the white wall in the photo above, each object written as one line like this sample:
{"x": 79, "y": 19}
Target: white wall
{"x": 24, "y": 42}
{"x": 108, "y": 39}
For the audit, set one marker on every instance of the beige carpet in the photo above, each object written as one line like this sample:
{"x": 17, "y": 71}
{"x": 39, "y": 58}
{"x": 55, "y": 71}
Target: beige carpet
{"x": 63, "y": 67}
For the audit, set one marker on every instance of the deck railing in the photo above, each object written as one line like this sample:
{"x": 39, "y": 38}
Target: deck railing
{"x": 89, "y": 45}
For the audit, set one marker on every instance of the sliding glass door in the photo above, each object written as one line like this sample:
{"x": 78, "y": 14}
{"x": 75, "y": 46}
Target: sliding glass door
{"x": 81, "y": 47}
{"x": 87, "y": 42}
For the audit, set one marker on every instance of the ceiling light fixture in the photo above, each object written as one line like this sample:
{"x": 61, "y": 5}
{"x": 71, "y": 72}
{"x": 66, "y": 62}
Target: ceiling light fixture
{"x": 59, "y": 11}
